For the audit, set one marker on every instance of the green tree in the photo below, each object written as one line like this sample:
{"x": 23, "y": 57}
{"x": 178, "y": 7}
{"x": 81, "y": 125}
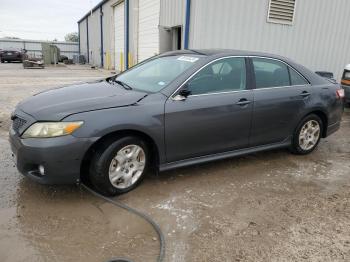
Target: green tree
{"x": 72, "y": 37}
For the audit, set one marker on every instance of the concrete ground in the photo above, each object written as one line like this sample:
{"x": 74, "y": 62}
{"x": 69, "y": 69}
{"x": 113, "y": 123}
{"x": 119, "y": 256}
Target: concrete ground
{"x": 271, "y": 206}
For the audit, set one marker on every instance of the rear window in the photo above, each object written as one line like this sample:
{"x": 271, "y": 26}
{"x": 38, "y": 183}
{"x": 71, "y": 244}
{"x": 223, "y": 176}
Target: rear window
{"x": 270, "y": 73}
{"x": 273, "y": 73}
{"x": 296, "y": 79}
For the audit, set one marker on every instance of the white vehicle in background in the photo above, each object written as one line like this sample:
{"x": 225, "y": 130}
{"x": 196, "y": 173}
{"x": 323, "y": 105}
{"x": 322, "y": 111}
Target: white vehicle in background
{"x": 345, "y": 81}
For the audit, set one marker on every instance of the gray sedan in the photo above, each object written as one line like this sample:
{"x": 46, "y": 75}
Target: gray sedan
{"x": 176, "y": 109}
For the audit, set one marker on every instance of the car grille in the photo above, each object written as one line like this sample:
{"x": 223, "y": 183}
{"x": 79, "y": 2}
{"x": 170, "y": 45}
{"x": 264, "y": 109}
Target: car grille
{"x": 17, "y": 123}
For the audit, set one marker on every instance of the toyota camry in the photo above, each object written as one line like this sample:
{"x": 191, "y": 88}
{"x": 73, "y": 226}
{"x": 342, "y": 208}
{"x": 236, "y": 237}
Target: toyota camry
{"x": 176, "y": 109}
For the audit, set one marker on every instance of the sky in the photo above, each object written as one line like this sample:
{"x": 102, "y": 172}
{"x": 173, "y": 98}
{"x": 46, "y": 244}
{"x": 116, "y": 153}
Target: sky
{"x": 42, "y": 19}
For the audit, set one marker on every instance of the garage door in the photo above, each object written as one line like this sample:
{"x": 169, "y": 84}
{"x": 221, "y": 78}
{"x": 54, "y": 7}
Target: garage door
{"x": 148, "y": 37}
{"x": 119, "y": 35}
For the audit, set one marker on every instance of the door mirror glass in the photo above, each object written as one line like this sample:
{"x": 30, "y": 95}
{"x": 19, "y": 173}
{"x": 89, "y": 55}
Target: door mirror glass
{"x": 184, "y": 92}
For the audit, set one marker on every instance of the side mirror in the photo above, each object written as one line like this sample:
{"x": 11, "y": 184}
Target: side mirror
{"x": 183, "y": 94}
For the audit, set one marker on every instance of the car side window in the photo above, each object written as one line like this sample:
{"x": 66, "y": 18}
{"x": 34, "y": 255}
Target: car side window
{"x": 270, "y": 73}
{"x": 296, "y": 78}
{"x": 224, "y": 75}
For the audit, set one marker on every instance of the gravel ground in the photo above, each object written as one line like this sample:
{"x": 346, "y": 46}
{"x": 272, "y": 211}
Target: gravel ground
{"x": 271, "y": 206}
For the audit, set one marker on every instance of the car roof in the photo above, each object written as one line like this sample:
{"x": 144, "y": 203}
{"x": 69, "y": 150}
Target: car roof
{"x": 212, "y": 54}
{"x": 222, "y": 52}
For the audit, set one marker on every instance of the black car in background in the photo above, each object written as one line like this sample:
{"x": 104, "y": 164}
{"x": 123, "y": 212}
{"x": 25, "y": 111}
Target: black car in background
{"x": 11, "y": 54}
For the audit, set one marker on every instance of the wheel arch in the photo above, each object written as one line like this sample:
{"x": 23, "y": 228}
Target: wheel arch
{"x": 110, "y": 137}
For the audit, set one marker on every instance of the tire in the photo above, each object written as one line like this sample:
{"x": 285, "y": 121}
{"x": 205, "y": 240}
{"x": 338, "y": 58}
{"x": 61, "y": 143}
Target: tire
{"x": 300, "y": 144}
{"x": 104, "y": 164}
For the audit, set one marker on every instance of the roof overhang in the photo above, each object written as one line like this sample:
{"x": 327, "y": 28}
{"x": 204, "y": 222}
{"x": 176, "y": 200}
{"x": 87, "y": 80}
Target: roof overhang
{"x": 93, "y": 10}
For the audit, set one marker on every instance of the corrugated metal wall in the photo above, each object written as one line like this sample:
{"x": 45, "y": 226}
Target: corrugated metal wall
{"x": 94, "y": 38}
{"x": 108, "y": 34}
{"x": 172, "y": 12}
{"x": 68, "y": 49}
{"x": 7, "y": 43}
{"x": 83, "y": 42}
{"x": 119, "y": 36}
{"x": 318, "y": 39}
{"x": 133, "y": 34}
{"x": 33, "y": 47}
{"x": 148, "y": 33}
{"x": 174, "y": 8}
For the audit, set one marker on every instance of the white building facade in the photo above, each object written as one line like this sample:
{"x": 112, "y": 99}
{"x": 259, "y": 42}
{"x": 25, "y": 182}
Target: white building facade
{"x": 117, "y": 34}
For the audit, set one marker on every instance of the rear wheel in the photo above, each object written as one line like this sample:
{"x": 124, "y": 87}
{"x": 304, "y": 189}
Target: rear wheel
{"x": 307, "y": 135}
{"x": 120, "y": 166}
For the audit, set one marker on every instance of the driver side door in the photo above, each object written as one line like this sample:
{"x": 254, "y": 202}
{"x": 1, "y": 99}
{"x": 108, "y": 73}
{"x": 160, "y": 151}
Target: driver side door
{"x": 216, "y": 115}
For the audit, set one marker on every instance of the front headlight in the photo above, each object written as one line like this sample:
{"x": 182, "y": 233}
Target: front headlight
{"x": 51, "y": 129}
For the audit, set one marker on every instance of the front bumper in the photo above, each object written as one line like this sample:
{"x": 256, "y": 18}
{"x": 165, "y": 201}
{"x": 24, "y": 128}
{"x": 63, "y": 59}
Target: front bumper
{"x": 61, "y": 157}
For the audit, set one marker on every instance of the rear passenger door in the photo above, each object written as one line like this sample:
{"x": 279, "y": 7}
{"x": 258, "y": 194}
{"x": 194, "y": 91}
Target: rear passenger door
{"x": 281, "y": 95}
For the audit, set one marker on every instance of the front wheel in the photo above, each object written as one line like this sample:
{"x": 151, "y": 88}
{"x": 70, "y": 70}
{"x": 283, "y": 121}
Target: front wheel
{"x": 307, "y": 135}
{"x": 120, "y": 166}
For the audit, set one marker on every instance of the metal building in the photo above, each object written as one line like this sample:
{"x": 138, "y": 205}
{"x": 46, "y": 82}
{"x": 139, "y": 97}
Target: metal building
{"x": 314, "y": 33}
{"x": 34, "y": 49}
{"x": 118, "y": 34}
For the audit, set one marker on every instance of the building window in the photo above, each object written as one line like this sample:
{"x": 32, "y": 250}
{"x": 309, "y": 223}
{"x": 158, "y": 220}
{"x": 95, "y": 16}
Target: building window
{"x": 281, "y": 11}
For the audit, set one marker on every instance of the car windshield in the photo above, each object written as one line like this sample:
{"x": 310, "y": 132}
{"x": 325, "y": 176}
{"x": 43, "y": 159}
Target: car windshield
{"x": 154, "y": 75}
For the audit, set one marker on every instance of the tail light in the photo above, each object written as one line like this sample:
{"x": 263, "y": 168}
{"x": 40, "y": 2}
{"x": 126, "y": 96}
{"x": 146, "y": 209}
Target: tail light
{"x": 340, "y": 93}
{"x": 345, "y": 82}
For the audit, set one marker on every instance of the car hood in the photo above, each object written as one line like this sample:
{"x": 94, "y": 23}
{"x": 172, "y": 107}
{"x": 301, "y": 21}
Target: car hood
{"x": 56, "y": 104}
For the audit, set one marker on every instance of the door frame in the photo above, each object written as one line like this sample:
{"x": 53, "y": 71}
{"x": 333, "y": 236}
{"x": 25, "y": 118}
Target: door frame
{"x": 248, "y": 76}
{"x": 256, "y": 90}
{"x": 252, "y": 71}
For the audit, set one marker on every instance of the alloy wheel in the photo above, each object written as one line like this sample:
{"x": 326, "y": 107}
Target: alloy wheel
{"x": 309, "y": 135}
{"x": 127, "y": 166}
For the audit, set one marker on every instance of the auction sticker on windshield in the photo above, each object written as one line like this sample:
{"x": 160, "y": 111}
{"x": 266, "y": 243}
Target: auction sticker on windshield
{"x": 188, "y": 59}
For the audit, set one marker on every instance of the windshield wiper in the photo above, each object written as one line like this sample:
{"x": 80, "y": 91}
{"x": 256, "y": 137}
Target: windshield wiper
{"x": 126, "y": 86}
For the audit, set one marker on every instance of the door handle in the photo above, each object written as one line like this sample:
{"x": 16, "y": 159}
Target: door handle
{"x": 243, "y": 102}
{"x": 305, "y": 94}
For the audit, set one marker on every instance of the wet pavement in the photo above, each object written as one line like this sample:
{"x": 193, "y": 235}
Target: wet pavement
{"x": 270, "y": 206}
